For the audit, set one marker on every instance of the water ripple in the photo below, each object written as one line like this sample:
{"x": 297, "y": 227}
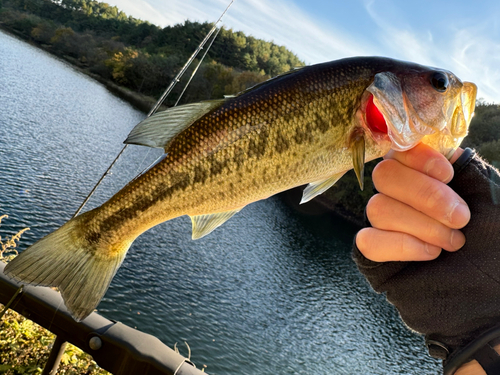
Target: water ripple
{"x": 271, "y": 291}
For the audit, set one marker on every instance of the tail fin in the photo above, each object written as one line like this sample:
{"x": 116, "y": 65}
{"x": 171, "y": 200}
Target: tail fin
{"x": 82, "y": 270}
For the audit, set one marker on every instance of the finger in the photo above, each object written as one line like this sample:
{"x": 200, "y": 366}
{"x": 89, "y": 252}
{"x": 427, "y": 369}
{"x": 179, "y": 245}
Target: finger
{"x": 459, "y": 151}
{"x": 423, "y": 193}
{"x": 426, "y": 160}
{"x": 384, "y": 246}
{"x": 388, "y": 214}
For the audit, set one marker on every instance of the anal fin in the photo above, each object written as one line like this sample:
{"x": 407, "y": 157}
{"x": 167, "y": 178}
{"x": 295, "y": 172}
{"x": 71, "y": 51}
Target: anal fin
{"x": 204, "y": 224}
{"x": 319, "y": 187}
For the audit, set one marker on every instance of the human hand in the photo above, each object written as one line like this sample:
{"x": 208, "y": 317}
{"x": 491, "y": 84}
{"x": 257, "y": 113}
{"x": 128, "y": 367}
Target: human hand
{"x": 452, "y": 299}
{"x": 415, "y": 214}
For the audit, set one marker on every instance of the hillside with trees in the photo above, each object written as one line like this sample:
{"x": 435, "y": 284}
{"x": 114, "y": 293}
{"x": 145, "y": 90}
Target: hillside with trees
{"x": 140, "y": 56}
{"x": 144, "y": 58}
{"x": 484, "y": 132}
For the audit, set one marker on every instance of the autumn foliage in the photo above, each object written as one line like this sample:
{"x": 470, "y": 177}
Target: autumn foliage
{"x": 140, "y": 56}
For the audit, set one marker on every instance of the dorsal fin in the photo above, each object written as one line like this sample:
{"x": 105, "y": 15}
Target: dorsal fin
{"x": 159, "y": 129}
{"x": 260, "y": 84}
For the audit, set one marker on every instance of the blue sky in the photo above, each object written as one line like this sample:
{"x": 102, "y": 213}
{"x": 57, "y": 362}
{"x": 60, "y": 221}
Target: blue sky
{"x": 461, "y": 36}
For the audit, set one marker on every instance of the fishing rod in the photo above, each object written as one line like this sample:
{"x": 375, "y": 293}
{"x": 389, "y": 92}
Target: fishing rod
{"x": 196, "y": 69}
{"x": 180, "y": 97}
{"x": 163, "y": 97}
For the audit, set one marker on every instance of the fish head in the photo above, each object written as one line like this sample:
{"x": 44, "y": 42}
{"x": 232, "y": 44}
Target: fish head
{"x": 422, "y": 104}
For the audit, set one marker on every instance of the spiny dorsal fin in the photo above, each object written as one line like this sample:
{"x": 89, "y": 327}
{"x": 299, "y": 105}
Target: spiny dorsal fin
{"x": 204, "y": 224}
{"x": 159, "y": 129}
{"x": 319, "y": 187}
{"x": 294, "y": 70}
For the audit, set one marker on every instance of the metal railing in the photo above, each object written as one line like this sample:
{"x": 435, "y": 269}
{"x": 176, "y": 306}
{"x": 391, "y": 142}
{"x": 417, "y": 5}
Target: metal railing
{"x": 114, "y": 346}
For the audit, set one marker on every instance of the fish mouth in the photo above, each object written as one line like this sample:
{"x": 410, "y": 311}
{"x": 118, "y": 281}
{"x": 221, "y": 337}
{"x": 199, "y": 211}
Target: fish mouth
{"x": 443, "y": 129}
{"x": 464, "y": 110}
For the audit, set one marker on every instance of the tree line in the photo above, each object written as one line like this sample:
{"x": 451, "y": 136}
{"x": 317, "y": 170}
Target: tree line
{"x": 484, "y": 132}
{"x": 145, "y": 58}
{"x": 141, "y": 56}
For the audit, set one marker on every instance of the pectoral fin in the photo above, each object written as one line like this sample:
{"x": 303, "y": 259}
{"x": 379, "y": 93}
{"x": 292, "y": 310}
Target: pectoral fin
{"x": 204, "y": 224}
{"x": 319, "y": 187}
{"x": 358, "y": 156}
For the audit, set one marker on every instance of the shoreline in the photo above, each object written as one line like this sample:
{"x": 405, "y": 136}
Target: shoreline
{"x": 144, "y": 103}
{"x": 140, "y": 102}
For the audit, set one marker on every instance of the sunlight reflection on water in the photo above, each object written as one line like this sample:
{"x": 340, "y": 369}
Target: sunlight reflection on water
{"x": 271, "y": 291}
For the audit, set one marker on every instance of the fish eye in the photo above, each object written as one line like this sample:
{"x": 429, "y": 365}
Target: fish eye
{"x": 439, "y": 81}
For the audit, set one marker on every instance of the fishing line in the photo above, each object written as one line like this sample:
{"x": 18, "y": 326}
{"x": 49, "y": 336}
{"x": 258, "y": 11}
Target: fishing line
{"x": 139, "y": 168}
{"x": 176, "y": 103}
{"x": 198, "y": 66}
{"x": 188, "y": 63}
{"x": 160, "y": 101}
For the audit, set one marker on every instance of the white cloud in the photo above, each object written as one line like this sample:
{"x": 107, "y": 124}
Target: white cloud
{"x": 401, "y": 43}
{"x": 477, "y": 58}
{"x": 279, "y": 21}
{"x": 286, "y": 24}
{"x": 139, "y": 9}
{"x": 470, "y": 52}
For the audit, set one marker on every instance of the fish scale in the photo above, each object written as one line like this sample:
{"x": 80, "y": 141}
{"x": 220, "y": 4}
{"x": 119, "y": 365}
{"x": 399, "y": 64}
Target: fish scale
{"x": 262, "y": 131}
{"x": 307, "y": 126}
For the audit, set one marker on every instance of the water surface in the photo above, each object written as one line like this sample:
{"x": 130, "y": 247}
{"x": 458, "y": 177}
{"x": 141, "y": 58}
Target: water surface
{"x": 273, "y": 291}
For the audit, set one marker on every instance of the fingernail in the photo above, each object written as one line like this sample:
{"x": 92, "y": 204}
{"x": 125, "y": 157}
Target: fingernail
{"x": 457, "y": 239}
{"x": 389, "y": 155}
{"x": 459, "y": 214}
{"x": 432, "y": 251}
{"x": 439, "y": 169}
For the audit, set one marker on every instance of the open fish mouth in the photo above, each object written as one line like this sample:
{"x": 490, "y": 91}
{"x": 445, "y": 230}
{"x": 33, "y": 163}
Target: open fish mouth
{"x": 407, "y": 124}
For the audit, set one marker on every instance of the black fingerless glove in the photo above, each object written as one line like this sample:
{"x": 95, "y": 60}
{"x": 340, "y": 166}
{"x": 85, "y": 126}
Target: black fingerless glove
{"x": 455, "y": 299}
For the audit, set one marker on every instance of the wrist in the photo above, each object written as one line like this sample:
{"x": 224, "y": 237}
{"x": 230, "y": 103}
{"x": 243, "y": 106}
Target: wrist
{"x": 479, "y": 356}
{"x": 473, "y": 367}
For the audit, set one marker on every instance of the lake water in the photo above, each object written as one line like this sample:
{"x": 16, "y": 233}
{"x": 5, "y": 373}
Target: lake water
{"x": 273, "y": 291}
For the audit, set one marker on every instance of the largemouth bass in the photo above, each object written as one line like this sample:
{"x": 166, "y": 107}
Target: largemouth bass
{"x": 308, "y": 126}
